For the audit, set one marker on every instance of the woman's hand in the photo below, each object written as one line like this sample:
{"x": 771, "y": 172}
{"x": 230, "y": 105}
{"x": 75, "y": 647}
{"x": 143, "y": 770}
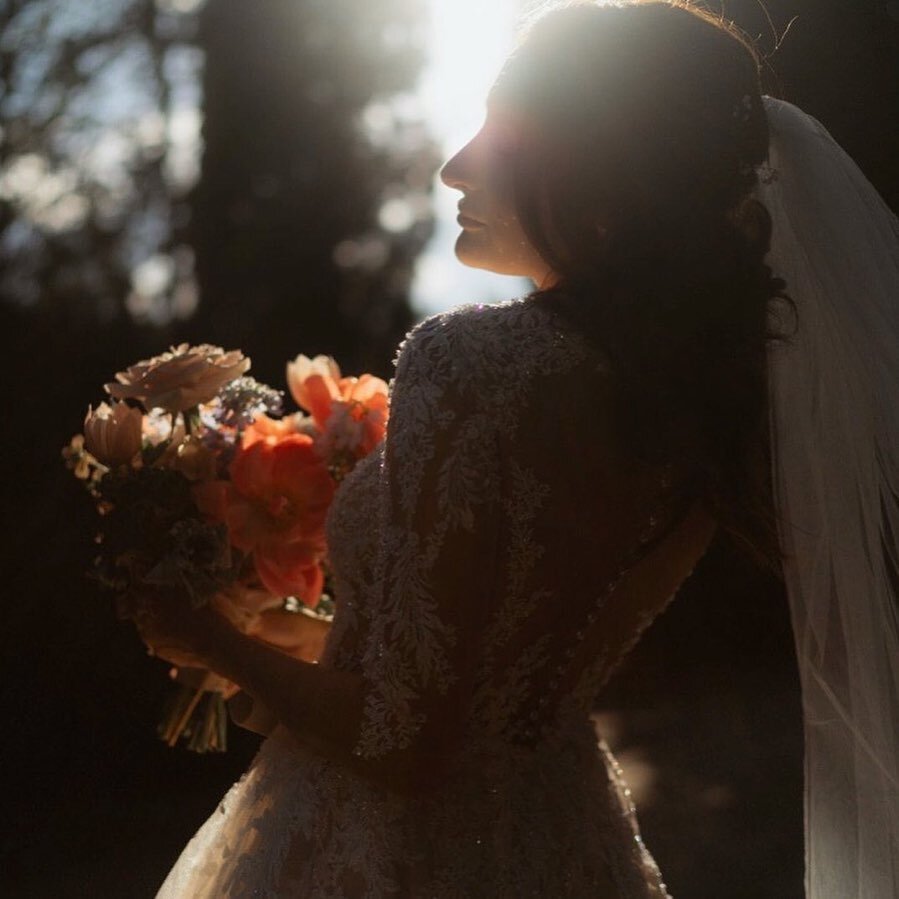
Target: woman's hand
{"x": 258, "y": 614}
{"x": 299, "y": 635}
{"x": 175, "y": 631}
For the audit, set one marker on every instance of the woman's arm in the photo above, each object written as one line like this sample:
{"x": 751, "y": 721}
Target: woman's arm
{"x": 299, "y": 635}
{"x": 321, "y": 707}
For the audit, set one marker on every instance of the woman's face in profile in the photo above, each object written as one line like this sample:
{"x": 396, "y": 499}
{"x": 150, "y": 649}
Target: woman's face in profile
{"x": 492, "y": 237}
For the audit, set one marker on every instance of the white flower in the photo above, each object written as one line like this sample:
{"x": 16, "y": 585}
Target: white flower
{"x": 180, "y": 379}
{"x": 157, "y": 428}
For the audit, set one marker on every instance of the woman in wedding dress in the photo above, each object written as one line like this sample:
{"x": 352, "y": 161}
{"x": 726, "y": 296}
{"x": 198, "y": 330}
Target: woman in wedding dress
{"x": 554, "y": 467}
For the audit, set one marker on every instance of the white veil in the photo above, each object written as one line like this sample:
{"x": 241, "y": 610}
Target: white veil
{"x": 835, "y": 444}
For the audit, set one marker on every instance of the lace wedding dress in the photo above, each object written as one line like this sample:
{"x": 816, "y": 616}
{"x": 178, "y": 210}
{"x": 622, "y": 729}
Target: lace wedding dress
{"x": 493, "y": 562}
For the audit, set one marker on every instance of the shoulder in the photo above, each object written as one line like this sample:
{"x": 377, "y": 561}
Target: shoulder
{"x": 473, "y": 345}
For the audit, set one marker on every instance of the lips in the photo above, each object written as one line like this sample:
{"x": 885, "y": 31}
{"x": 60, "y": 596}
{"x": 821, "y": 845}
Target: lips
{"x": 468, "y": 221}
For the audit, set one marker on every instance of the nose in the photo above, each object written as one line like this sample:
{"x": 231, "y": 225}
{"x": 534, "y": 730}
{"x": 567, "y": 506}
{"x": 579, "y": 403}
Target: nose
{"x": 457, "y": 170}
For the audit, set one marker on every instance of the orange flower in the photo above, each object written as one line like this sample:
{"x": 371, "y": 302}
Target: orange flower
{"x": 366, "y": 398}
{"x": 275, "y": 507}
{"x": 313, "y": 383}
{"x": 271, "y": 429}
{"x": 351, "y": 413}
{"x": 366, "y": 390}
{"x": 316, "y": 385}
{"x": 353, "y": 429}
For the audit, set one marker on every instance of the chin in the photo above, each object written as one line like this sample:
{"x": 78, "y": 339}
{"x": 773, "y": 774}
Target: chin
{"x": 469, "y": 253}
{"x": 472, "y": 260}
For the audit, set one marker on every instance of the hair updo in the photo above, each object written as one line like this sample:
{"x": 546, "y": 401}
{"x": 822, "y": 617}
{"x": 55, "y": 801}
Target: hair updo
{"x": 642, "y": 127}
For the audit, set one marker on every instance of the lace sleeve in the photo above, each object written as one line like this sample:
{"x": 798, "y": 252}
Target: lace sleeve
{"x": 509, "y": 512}
{"x": 438, "y": 531}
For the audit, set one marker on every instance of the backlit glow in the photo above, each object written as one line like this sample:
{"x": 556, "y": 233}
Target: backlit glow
{"x": 468, "y": 41}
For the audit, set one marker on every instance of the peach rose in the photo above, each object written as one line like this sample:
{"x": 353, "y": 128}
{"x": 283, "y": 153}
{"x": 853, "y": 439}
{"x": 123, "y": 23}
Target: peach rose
{"x": 180, "y": 379}
{"x": 113, "y": 434}
{"x": 275, "y": 506}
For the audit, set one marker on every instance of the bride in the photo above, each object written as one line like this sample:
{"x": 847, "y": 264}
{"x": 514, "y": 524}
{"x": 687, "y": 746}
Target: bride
{"x": 554, "y": 468}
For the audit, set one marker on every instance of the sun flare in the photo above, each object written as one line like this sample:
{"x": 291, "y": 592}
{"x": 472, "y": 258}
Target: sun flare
{"x": 467, "y": 43}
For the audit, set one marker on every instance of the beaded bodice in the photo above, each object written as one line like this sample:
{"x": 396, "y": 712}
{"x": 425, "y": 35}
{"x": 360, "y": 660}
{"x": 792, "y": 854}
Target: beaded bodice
{"x": 493, "y": 560}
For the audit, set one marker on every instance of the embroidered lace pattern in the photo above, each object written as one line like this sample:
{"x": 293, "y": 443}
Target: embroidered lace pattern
{"x": 476, "y": 611}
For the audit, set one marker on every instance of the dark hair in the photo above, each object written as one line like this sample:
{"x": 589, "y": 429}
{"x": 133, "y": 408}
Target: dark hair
{"x": 643, "y": 125}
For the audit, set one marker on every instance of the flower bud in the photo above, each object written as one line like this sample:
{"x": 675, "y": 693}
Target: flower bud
{"x": 112, "y": 434}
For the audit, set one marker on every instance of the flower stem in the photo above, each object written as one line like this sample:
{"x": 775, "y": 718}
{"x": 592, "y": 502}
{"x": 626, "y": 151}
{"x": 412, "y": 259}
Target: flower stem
{"x": 174, "y": 731}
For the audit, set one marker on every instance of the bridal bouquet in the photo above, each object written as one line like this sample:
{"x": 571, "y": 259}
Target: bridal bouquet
{"x": 205, "y": 488}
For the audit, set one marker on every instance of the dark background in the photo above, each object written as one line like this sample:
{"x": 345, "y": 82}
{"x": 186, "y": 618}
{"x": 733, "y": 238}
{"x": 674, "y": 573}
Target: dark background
{"x": 275, "y": 246}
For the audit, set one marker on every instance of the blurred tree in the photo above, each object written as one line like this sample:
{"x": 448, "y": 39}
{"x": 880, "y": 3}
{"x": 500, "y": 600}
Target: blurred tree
{"x": 99, "y": 115}
{"x": 313, "y": 200}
